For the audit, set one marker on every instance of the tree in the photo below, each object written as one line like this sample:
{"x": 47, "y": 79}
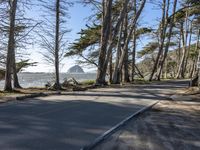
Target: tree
{"x": 11, "y": 46}
{"x": 171, "y": 25}
{"x": 134, "y": 45}
{"x": 162, "y": 32}
{"x": 87, "y": 46}
{"x": 127, "y": 41}
{"x": 189, "y": 13}
{"x": 53, "y": 34}
{"x": 105, "y": 34}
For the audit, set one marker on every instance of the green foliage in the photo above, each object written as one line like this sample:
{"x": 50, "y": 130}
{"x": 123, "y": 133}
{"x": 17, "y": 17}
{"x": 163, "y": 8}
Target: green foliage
{"x": 24, "y": 64}
{"x": 89, "y": 37}
{"x": 142, "y": 31}
{"x": 148, "y": 49}
{"x": 192, "y": 10}
{"x": 88, "y": 82}
{"x": 194, "y": 2}
{"x": 20, "y": 65}
{"x": 193, "y": 53}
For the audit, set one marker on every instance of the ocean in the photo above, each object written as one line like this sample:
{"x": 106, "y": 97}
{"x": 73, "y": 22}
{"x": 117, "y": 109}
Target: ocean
{"x": 27, "y": 79}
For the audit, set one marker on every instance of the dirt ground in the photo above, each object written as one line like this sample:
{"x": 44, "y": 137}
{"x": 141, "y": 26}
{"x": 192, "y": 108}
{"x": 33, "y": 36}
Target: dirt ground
{"x": 170, "y": 125}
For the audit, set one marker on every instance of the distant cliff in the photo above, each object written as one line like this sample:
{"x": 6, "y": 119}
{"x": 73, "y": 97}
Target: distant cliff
{"x": 75, "y": 69}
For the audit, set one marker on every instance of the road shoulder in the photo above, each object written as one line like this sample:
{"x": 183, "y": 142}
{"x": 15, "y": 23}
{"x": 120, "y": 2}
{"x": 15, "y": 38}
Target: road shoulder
{"x": 169, "y": 125}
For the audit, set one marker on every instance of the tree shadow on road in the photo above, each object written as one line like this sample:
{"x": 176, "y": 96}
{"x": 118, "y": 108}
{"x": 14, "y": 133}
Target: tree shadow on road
{"x": 58, "y": 124}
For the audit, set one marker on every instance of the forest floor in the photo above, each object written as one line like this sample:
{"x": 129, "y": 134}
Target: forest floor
{"x": 173, "y": 125}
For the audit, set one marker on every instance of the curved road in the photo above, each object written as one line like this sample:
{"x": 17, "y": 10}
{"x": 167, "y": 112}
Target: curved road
{"x": 73, "y": 120}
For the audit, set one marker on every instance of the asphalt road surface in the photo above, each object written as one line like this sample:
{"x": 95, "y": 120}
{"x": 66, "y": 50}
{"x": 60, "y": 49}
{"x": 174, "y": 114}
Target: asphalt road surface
{"x": 73, "y": 120}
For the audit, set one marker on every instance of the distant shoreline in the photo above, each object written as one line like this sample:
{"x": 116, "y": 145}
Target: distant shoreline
{"x": 39, "y": 79}
{"x": 60, "y": 72}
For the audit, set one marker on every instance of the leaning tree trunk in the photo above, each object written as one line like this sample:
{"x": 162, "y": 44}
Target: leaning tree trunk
{"x": 133, "y": 24}
{"x": 194, "y": 67}
{"x": 126, "y": 65}
{"x": 117, "y": 76}
{"x": 168, "y": 40}
{"x": 134, "y": 46}
{"x": 105, "y": 33}
{"x": 161, "y": 41}
{"x": 185, "y": 68}
{"x": 181, "y": 65}
{"x": 57, "y": 83}
{"x": 11, "y": 47}
{"x": 111, "y": 44}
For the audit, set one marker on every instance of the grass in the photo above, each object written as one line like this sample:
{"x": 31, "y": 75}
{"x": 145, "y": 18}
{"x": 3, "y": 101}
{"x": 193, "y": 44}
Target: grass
{"x": 88, "y": 82}
{"x": 14, "y": 92}
{"x": 141, "y": 81}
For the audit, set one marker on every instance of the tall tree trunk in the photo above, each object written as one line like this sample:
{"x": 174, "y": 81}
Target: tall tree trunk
{"x": 57, "y": 45}
{"x": 134, "y": 45}
{"x": 15, "y": 77}
{"x": 113, "y": 36}
{"x": 178, "y": 54}
{"x": 110, "y": 69}
{"x": 105, "y": 33}
{"x": 133, "y": 56}
{"x": 192, "y": 68}
{"x": 161, "y": 40}
{"x": 185, "y": 70}
{"x": 180, "y": 73}
{"x": 11, "y": 46}
{"x": 168, "y": 40}
{"x": 126, "y": 65}
{"x": 117, "y": 76}
{"x": 197, "y": 50}
{"x": 133, "y": 24}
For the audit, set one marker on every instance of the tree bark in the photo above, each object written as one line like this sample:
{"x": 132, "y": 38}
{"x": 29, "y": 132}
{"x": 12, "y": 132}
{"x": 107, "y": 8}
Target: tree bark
{"x": 180, "y": 73}
{"x": 119, "y": 67}
{"x": 168, "y": 40}
{"x": 197, "y": 50}
{"x": 15, "y": 77}
{"x": 10, "y": 49}
{"x": 134, "y": 46}
{"x": 110, "y": 69}
{"x": 161, "y": 40}
{"x": 126, "y": 65}
{"x": 105, "y": 33}
{"x": 57, "y": 28}
{"x": 117, "y": 76}
{"x": 111, "y": 43}
{"x": 185, "y": 70}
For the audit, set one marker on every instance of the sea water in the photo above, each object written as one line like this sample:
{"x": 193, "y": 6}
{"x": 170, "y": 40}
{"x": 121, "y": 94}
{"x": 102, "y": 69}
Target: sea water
{"x": 27, "y": 79}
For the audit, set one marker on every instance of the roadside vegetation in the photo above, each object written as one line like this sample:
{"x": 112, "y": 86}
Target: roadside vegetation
{"x": 115, "y": 40}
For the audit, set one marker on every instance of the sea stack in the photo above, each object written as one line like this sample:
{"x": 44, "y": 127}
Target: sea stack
{"x": 75, "y": 69}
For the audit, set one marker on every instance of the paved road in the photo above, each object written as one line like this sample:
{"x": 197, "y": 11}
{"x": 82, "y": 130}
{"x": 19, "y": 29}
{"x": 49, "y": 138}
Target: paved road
{"x": 68, "y": 122}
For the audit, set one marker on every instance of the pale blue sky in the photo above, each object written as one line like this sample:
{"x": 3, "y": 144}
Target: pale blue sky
{"x": 78, "y": 19}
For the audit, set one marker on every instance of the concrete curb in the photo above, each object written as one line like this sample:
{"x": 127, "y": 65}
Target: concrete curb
{"x": 108, "y": 133}
{"x": 7, "y": 99}
{"x": 36, "y": 95}
{"x": 20, "y": 98}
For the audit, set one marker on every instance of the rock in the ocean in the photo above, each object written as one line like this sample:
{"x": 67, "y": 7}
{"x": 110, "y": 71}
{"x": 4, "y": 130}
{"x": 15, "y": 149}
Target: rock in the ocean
{"x": 75, "y": 69}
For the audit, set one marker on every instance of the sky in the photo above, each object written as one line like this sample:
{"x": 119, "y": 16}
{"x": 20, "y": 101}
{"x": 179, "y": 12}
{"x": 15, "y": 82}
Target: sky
{"x": 77, "y": 21}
